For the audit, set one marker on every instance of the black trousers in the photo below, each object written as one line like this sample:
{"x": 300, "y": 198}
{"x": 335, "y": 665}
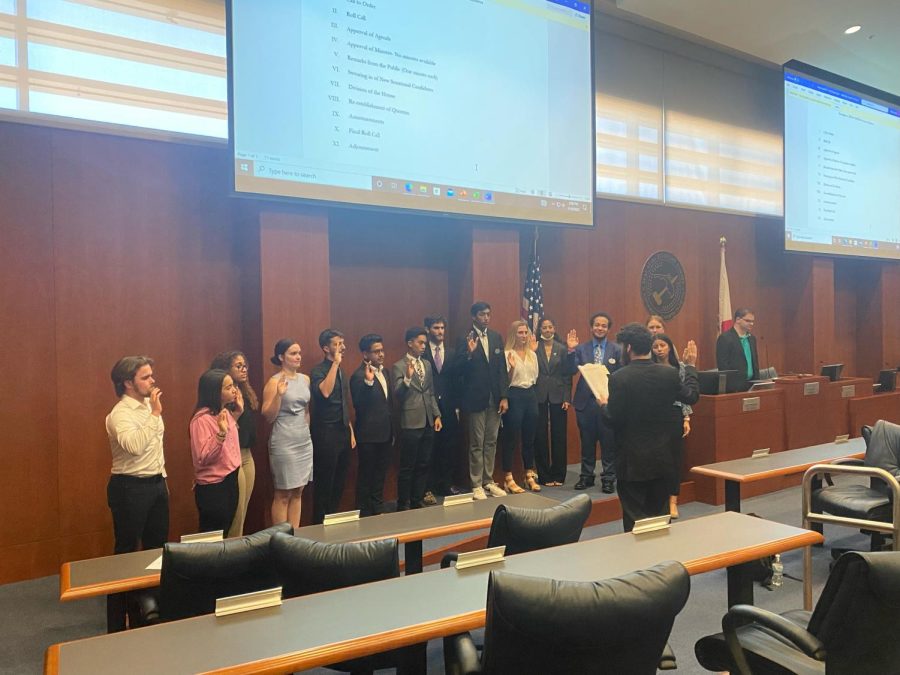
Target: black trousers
{"x": 520, "y": 421}
{"x": 415, "y": 455}
{"x": 551, "y": 449}
{"x": 140, "y": 511}
{"x": 373, "y": 462}
{"x": 593, "y": 429}
{"x": 331, "y": 457}
{"x": 445, "y": 453}
{"x": 643, "y": 499}
{"x": 217, "y": 503}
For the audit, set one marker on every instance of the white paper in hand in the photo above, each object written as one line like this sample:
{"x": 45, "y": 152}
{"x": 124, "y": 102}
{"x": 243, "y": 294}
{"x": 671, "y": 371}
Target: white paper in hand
{"x": 597, "y": 377}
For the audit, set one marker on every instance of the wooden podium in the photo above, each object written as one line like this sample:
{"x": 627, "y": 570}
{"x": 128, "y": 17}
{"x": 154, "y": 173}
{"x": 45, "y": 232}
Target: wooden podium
{"x": 843, "y": 391}
{"x": 732, "y": 426}
{"x": 870, "y": 409}
{"x": 812, "y": 413}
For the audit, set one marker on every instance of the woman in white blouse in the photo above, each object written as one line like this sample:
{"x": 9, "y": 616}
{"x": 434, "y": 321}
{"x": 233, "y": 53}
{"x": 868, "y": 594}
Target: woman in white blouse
{"x": 521, "y": 417}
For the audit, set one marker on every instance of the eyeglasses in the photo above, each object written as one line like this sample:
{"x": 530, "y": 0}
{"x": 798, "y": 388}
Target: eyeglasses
{"x": 239, "y": 366}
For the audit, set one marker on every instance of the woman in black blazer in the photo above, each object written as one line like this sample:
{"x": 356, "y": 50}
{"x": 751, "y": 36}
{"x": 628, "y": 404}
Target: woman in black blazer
{"x": 554, "y": 394}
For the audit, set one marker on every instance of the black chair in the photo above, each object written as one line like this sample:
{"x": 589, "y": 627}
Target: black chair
{"x": 195, "y": 575}
{"x": 546, "y": 626}
{"x": 860, "y": 502}
{"x": 307, "y": 566}
{"x": 852, "y": 630}
{"x": 522, "y": 529}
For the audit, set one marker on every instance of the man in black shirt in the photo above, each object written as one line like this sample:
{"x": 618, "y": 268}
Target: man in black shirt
{"x": 332, "y": 435}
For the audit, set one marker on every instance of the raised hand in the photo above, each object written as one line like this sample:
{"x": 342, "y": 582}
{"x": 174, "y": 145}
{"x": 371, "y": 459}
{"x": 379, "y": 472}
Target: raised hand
{"x": 471, "y": 341}
{"x": 572, "y": 339}
{"x": 222, "y": 420}
{"x": 282, "y": 384}
{"x": 238, "y": 403}
{"x": 690, "y": 353}
{"x": 532, "y": 341}
{"x": 155, "y": 401}
{"x": 511, "y": 360}
{"x": 370, "y": 372}
{"x": 339, "y": 356}
{"x": 410, "y": 368}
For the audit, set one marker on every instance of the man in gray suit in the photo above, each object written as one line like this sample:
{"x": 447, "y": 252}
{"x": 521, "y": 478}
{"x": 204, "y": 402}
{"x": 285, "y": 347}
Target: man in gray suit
{"x": 420, "y": 417}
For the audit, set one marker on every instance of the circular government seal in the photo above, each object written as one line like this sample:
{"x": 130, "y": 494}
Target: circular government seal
{"x": 662, "y": 285}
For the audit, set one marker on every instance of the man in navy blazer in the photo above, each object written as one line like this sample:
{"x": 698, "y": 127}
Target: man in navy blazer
{"x": 592, "y": 427}
{"x": 371, "y": 393}
{"x": 481, "y": 364}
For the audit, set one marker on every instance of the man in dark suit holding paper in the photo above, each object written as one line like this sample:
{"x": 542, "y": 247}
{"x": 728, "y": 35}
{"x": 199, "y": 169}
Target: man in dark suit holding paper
{"x": 642, "y": 411}
{"x": 591, "y": 426}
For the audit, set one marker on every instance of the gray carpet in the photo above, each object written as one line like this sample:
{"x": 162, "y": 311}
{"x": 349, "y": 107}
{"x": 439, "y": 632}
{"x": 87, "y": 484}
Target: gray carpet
{"x": 31, "y": 616}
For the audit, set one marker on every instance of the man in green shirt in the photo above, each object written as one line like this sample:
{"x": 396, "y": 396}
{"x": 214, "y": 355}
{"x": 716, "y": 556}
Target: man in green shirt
{"x": 736, "y": 348}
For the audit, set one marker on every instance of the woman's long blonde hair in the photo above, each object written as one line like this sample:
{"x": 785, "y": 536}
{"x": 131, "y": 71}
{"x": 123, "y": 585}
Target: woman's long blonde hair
{"x": 511, "y": 335}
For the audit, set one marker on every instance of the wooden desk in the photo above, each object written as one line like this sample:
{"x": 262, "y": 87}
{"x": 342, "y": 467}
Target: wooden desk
{"x": 842, "y": 392}
{"x": 739, "y": 471}
{"x": 117, "y": 574}
{"x": 811, "y": 416}
{"x": 731, "y": 426}
{"x": 869, "y": 409}
{"x": 327, "y": 627}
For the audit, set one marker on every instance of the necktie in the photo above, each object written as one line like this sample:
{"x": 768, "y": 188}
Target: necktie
{"x": 598, "y": 354}
{"x": 438, "y": 359}
{"x": 420, "y": 372}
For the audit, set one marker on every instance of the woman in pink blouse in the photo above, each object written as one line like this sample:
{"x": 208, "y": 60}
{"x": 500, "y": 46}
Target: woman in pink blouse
{"x": 215, "y": 449}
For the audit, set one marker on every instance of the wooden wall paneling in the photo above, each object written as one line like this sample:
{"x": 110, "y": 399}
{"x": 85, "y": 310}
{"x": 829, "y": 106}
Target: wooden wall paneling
{"x": 878, "y": 322}
{"x": 29, "y": 499}
{"x": 143, "y": 266}
{"x": 809, "y": 314}
{"x": 890, "y": 317}
{"x": 496, "y": 277}
{"x": 295, "y": 301}
{"x": 852, "y": 281}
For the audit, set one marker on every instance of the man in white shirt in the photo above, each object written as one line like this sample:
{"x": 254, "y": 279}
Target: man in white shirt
{"x": 137, "y": 493}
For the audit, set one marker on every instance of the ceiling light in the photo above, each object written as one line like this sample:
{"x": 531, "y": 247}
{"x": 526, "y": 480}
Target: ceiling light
{"x": 852, "y": 30}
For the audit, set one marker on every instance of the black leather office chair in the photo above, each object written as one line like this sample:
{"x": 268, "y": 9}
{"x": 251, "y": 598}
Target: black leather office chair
{"x": 195, "y": 575}
{"x": 852, "y": 630}
{"x": 307, "y": 566}
{"x": 522, "y": 529}
{"x": 546, "y": 626}
{"x": 872, "y": 502}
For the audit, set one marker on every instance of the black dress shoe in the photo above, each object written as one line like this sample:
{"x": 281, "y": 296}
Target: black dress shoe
{"x": 608, "y": 486}
{"x": 584, "y": 483}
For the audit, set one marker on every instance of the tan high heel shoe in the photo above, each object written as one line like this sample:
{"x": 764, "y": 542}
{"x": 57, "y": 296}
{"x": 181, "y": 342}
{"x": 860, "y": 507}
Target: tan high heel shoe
{"x": 509, "y": 484}
{"x": 531, "y": 480}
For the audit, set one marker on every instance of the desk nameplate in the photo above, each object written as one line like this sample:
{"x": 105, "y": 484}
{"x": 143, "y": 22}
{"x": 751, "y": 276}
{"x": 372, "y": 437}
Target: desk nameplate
{"x": 750, "y": 404}
{"x": 810, "y": 388}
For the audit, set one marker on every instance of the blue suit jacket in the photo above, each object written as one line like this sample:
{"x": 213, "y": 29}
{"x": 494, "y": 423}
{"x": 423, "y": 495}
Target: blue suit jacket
{"x": 584, "y": 353}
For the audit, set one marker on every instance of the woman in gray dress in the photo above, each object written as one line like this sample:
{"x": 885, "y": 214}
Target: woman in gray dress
{"x": 286, "y": 406}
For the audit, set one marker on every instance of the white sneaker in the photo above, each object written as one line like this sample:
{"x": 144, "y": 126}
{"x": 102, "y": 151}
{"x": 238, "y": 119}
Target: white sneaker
{"x": 494, "y": 490}
{"x": 478, "y": 493}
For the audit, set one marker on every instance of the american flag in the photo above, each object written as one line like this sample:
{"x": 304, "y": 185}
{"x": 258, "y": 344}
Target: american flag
{"x": 533, "y": 298}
